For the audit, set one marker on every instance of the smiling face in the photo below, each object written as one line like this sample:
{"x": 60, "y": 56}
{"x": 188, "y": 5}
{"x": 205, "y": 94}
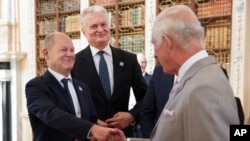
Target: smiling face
{"x": 97, "y": 29}
{"x": 59, "y": 55}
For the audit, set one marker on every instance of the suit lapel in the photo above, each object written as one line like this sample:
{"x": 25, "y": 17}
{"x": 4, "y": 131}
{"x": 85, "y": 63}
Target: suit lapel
{"x": 91, "y": 73}
{"x": 55, "y": 86}
{"x": 118, "y": 65}
{"x": 81, "y": 97}
{"x": 189, "y": 74}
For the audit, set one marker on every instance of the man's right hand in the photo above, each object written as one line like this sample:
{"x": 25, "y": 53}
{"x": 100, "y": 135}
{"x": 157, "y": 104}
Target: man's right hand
{"x": 102, "y": 123}
{"x": 106, "y": 134}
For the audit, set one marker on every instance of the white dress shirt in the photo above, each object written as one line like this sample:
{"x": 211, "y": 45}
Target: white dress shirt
{"x": 109, "y": 60}
{"x": 72, "y": 90}
{"x": 188, "y": 63}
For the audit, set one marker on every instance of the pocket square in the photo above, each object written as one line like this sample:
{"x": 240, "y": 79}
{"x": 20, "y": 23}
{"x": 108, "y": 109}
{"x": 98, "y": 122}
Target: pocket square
{"x": 167, "y": 112}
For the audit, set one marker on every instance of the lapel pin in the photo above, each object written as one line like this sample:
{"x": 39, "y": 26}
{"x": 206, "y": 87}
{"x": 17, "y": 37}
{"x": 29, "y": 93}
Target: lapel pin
{"x": 121, "y": 64}
{"x": 80, "y": 88}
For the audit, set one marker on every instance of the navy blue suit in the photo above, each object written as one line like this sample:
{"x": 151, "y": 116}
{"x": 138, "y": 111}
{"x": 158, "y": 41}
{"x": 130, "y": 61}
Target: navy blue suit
{"x": 147, "y": 78}
{"x": 239, "y": 105}
{"x": 155, "y": 99}
{"x": 49, "y": 113}
{"x": 127, "y": 74}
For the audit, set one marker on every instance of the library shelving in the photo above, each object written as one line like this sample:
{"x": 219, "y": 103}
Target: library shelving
{"x": 55, "y": 15}
{"x": 127, "y": 18}
{"x": 216, "y": 16}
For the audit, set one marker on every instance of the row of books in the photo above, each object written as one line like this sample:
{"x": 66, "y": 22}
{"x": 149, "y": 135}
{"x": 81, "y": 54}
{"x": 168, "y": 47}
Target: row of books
{"x": 70, "y": 5}
{"x": 108, "y": 1}
{"x": 49, "y": 6}
{"x": 47, "y": 26}
{"x": 132, "y": 15}
{"x": 222, "y": 57}
{"x": 214, "y": 8}
{"x": 132, "y": 43}
{"x": 70, "y": 23}
{"x": 96, "y": 2}
{"x": 40, "y": 48}
{"x": 218, "y": 37}
{"x": 168, "y": 3}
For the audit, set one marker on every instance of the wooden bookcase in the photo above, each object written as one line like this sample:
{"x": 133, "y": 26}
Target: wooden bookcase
{"x": 55, "y": 15}
{"x": 216, "y": 16}
{"x": 127, "y": 19}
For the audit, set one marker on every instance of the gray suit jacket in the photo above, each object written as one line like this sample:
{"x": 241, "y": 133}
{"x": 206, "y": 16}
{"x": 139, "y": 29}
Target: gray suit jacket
{"x": 202, "y": 110}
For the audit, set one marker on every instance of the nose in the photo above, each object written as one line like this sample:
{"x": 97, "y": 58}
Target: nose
{"x": 99, "y": 28}
{"x": 70, "y": 52}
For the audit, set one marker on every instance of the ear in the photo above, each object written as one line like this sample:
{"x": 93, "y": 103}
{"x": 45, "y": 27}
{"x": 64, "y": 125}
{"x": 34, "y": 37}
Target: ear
{"x": 45, "y": 53}
{"x": 83, "y": 31}
{"x": 169, "y": 43}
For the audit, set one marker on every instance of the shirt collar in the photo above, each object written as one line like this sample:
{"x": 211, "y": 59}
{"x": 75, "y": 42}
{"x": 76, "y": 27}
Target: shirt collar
{"x": 189, "y": 62}
{"x": 94, "y": 50}
{"x": 58, "y": 76}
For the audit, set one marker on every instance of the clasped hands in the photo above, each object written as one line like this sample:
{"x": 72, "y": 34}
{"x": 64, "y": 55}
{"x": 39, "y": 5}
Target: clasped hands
{"x": 99, "y": 133}
{"x": 111, "y": 129}
{"x": 120, "y": 120}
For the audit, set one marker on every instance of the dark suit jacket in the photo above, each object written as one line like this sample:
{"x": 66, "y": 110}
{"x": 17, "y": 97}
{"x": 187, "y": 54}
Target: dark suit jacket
{"x": 155, "y": 99}
{"x": 49, "y": 115}
{"x": 240, "y": 110}
{"x": 127, "y": 73}
{"x": 239, "y": 106}
{"x": 147, "y": 78}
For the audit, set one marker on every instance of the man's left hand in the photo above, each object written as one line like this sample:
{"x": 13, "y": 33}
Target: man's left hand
{"x": 120, "y": 120}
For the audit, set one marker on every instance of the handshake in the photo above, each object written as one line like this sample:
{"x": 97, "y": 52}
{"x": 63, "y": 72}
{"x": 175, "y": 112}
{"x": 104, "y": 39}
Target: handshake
{"x": 99, "y": 133}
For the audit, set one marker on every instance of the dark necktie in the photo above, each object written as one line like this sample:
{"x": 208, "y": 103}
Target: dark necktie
{"x": 104, "y": 75}
{"x": 68, "y": 95}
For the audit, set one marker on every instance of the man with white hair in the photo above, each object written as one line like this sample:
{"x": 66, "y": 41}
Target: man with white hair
{"x": 201, "y": 106}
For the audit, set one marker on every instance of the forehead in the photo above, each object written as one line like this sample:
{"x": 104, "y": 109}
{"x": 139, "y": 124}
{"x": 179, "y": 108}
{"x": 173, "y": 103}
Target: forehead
{"x": 63, "y": 41}
{"x": 97, "y": 17}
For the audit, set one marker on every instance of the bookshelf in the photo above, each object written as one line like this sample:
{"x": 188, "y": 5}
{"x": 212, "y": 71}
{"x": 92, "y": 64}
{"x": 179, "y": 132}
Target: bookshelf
{"x": 55, "y": 15}
{"x": 127, "y": 19}
{"x": 216, "y": 15}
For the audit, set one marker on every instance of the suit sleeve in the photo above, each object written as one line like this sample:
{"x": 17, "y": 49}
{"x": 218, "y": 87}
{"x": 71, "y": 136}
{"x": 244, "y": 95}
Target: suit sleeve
{"x": 148, "y": 111}
{"x": 240, "y": 110}
{"x": 139, "y": 88}
{"x": 43, "y": 109}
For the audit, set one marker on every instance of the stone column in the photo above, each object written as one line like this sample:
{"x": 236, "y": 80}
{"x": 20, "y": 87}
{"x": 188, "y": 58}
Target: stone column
{"x": 5, "y": 10}
{"x": 10, "y": 52}
{"x": 240, "y": 54}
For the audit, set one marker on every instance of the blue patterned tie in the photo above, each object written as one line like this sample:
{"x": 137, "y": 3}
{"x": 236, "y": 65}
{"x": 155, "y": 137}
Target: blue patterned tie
{"x": 104, "y": 75}
{"x": 68, "y": 95}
